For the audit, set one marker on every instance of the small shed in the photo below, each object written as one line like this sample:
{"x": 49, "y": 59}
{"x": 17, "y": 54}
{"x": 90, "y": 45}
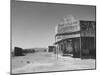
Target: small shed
{"x": 18, "y": 51}
{"x": 51, "y": 48}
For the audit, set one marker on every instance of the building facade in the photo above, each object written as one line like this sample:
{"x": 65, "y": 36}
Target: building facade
{"x": 51, "y": 48}
{"x": 18, "y": 51}
{"x": 76, "y": 38}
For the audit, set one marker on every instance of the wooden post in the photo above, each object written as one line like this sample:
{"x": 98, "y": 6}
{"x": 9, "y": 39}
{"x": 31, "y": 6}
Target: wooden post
{"x": 56, "y": 49}
{"x": 80, "y": 48}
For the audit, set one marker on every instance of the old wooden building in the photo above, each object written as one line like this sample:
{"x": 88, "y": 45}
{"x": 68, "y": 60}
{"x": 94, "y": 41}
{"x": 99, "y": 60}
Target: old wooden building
{"x": 18, "y": 51}
{"x": 76, "y": 37}
{"x": 51, "y": 48}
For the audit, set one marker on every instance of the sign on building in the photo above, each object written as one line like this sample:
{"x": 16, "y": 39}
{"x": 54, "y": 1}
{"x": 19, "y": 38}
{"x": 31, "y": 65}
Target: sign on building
{"x": 70, "y": 24}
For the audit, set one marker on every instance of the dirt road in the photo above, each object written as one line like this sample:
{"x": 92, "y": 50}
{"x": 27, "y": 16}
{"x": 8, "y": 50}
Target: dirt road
{"x": 43, "y": 61}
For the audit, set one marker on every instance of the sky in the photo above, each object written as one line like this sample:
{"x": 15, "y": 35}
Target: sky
{"x": 33, "y": 24}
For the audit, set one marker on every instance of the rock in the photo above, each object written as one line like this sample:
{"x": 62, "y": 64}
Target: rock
{"x": 28, "y": 62}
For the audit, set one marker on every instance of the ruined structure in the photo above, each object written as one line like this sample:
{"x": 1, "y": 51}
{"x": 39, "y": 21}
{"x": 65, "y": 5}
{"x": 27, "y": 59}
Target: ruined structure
{"x": 76, "y": 37}
{"x": 18, "y": 51}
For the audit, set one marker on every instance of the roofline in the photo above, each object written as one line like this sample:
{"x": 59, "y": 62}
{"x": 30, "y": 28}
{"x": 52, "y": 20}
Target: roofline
{"x": 76, "y": 32}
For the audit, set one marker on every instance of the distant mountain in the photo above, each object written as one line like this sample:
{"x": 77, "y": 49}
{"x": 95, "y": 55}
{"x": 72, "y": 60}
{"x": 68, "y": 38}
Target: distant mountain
{"x": 37, "y": 49}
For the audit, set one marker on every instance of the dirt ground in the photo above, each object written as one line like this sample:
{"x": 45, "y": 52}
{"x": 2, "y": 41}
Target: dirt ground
{"x": 44, "y": 61}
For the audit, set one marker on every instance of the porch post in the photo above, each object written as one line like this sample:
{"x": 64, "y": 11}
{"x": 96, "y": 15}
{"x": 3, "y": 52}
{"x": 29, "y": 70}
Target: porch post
{"x": 80, "y": 48}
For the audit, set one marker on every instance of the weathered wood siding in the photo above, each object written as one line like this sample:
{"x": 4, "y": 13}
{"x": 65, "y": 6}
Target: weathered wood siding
{"x": 18, "y": 51}
{"x": 88, "y": 47}
{"x": 76, "y": 47}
